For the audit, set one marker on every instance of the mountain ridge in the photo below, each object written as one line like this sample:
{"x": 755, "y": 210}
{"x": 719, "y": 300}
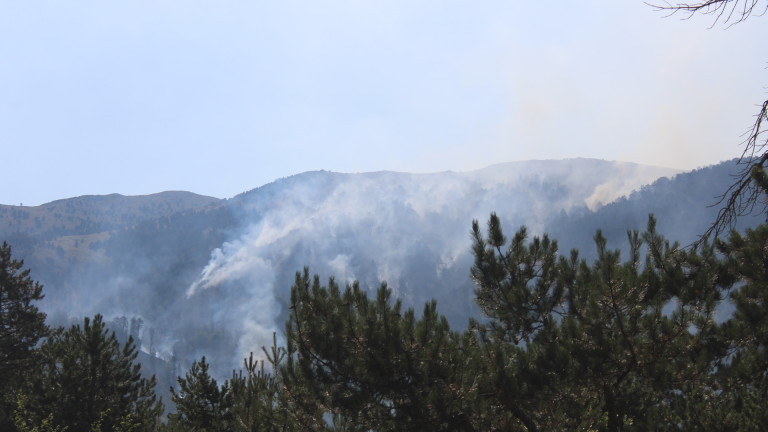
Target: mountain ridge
{"x": 212, "y": 280}
{"x": 88, "y": 214}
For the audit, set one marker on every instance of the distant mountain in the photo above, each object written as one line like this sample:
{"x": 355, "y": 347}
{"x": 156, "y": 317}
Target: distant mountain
{"x": 211, "y": 277}
{"x": 90, "y": 214}
{"x": 55, "y": 237}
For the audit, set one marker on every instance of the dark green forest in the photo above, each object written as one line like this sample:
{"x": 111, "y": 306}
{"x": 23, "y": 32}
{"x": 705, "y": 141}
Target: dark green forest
{"x": 666, "y": 338}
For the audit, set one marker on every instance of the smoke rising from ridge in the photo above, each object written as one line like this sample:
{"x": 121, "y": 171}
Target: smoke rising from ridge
{"x": 214, "y": 280}
{"x": 410, "y": 230}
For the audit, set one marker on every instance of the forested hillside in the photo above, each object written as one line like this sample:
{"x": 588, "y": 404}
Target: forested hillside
{"x": 685, "y": 205}
{"x": 194, "y": 277}
{"x": 619, "y": 342}
{"x": 62, "y": 237}
{"x": 212, "y": 280}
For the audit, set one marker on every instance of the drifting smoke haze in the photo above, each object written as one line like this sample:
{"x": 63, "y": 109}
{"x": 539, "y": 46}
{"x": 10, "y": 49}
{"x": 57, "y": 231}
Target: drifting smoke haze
{"x": 410, "y": 230}
{"x": 211, "y": 277}
{"x": 374, "y": 86}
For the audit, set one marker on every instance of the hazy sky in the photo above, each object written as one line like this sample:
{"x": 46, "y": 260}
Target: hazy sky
{"x": 221, "y": 96}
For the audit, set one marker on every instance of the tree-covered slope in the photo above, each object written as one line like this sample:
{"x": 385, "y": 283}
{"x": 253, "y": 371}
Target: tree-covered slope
{"x": 685, "y": 206}
{"x": 214, "y": 279}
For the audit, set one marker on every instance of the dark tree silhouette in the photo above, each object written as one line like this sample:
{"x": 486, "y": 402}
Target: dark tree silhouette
{"x": 22, "y": 325}
{"x": 86, "y": 380}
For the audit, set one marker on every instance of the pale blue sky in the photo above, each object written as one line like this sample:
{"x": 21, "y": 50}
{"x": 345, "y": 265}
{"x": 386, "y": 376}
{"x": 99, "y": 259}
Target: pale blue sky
{"x": 221, "y": 96}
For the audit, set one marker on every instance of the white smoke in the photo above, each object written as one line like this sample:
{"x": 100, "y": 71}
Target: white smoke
{"x": 387, "y": 227}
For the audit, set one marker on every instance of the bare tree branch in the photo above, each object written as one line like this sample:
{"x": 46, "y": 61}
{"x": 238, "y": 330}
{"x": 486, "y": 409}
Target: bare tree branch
{"x": 744, "y": 194}
{"x": 725, "y": 11}
{"x": 750, "y": 189}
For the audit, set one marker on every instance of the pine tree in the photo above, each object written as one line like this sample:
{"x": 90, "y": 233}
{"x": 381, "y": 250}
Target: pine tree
{"x": 201, "y": 405}
{"x": 608, "y": 346}
{"x": 370, "y": 365}
{"x": 22, "y": 325}
{"x": 642, "y": 343}
{"x": 259, "y": 400}
{"x": 742, "y": 373}
{"x": 88, "y": 381}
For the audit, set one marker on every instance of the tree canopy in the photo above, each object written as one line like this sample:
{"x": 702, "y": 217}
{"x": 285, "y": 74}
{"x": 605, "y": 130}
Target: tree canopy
{"x": 22, "y": 325}
{"x": 659, "y": 337}
{"x": 87, "y": 381}
{"x": 668, "y": 338}
{"x": 201, "y": 405}
{"x": 650, "y": 342}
